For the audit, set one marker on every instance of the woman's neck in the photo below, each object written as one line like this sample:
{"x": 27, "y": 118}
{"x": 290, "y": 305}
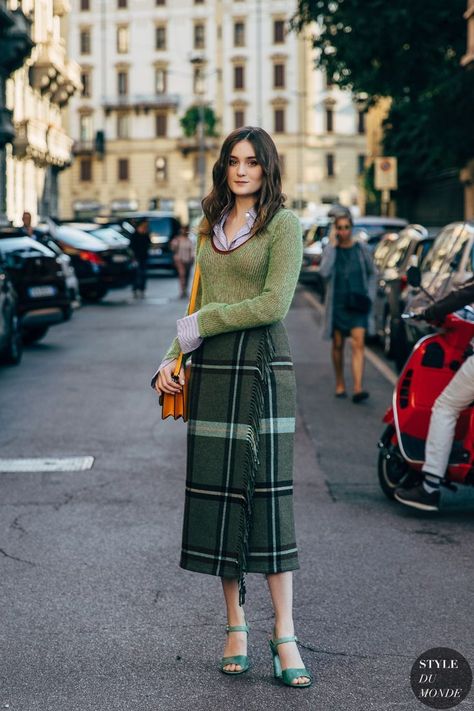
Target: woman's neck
{"x": 242, "y": 204}
{"x": 347, "y": 243}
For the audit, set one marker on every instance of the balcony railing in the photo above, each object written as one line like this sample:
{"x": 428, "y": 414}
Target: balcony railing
{"x": 191, "y": 145}
{"x": 83, "y": 147}
{"x": 141, "y": 101}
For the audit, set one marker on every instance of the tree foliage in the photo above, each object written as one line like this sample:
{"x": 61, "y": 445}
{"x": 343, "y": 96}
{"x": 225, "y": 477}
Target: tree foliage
{"x": 408, "y": 50}
{"x": 190, "y": 121}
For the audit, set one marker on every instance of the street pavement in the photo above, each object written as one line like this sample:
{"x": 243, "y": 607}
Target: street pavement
{"x": 96, "y": 613}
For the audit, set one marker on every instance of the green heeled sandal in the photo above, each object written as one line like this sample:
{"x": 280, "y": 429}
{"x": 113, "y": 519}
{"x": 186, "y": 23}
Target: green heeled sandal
{"x": 241, "y": 659}
{"x": 288, "y": 675}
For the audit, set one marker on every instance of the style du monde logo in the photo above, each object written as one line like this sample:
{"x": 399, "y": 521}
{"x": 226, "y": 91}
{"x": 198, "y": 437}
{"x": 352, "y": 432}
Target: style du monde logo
{"x": 441, "y": 678}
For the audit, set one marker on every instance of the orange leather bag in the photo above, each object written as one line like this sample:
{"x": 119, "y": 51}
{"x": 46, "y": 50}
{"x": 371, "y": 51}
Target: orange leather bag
{"x": 176, "y": 405}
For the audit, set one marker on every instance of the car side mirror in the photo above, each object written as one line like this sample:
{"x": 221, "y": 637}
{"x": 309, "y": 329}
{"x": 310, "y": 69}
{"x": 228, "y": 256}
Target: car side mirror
{"x": 414, "y": 276}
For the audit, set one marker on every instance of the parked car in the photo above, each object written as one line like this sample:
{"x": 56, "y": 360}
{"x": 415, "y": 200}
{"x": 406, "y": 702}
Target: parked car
{"x": 392, "y": 258}
{"x": 11, "y": 344}
{"x": 39, "y": 281}
{"x": 110, "y": 235}
{"x": 162, "y": 226}
{"x": 41, "y": 233}
{"x": 370, "y": 229}
{"x": 449, "y": 263}
{"x": 98, "y": 266}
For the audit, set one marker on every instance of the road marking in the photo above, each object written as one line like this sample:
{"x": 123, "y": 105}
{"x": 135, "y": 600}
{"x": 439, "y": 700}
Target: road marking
{"x": 376, "y": 361}
{"x": 47, "y": 464}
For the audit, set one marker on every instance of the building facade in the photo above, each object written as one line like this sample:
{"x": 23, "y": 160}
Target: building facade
{"x": 36, "y": 95}
{"x": 467, "y": 174}
{"x": 145, "y": 63}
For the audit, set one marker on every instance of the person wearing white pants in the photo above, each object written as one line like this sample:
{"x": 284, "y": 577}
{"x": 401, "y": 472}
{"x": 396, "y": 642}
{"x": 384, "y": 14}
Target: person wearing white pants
{"x": 444, "y": 415}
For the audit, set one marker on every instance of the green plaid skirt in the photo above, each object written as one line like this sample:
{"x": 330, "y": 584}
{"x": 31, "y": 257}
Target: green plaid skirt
{"x": 238, "y": 514}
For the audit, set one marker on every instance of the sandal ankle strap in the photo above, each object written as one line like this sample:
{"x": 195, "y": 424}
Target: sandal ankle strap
{"x": 282, "y": 640}
{"x": 237, "y": 628}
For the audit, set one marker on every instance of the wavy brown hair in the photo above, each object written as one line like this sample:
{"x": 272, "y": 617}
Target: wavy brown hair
{"x": 221, "y": 198}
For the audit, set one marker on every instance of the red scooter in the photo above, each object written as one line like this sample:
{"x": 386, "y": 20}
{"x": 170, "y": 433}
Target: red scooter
{"x": 428, "y": 370}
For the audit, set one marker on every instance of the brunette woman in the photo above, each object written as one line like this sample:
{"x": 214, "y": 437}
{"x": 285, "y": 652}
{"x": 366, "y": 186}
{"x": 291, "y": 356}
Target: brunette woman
{"x": 347, "y": 265}
{"x": 238, "y": 513}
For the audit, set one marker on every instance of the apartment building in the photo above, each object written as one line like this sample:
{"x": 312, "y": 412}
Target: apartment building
{"x": 36, "y": 95}
{"x": 145, "y": 63}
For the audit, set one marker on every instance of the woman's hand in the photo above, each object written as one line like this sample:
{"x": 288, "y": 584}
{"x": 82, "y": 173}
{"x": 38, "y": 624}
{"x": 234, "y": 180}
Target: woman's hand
{"x": 333, "y": 236}
{"x": 165, "y": 383}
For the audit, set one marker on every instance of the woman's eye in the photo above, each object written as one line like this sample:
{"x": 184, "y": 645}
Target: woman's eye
{"x": 232, "y": 161}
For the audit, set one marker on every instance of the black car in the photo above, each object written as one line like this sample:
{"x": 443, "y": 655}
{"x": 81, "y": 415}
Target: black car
{"x": 40, "y": 283}
{"x": 162, "y": 226}
{"x": 98, "y": 266}
{"x": 11, "y": 344}
{"x": 392, "y": 258}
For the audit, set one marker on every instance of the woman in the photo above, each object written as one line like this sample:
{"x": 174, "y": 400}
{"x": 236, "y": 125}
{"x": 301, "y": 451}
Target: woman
{"x": 183, "y": 256}
{"x": 347, "y": 265}
{"x": 239, "y": 509}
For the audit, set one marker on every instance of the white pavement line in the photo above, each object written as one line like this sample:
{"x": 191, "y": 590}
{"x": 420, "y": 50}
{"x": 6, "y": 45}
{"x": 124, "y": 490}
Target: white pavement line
{"x": 47, "y": 464}
{"x": 376, "y": 361}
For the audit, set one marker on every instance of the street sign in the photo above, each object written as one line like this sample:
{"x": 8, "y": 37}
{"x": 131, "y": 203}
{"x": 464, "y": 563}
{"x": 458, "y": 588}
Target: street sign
{"x": 386, "y": 173}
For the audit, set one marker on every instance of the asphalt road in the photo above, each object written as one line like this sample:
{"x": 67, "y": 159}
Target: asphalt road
{"x": 96, "y": 615}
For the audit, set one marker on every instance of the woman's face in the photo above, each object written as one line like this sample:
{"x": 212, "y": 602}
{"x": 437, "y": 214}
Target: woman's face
{"x": 244, "y": 174}
{"x": 343, "y": 229}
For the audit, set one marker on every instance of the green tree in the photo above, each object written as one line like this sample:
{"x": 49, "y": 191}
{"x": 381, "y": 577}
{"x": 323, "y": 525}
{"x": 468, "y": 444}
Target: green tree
{"x": 408, "y": 50}
{"x": 190, "y": 121}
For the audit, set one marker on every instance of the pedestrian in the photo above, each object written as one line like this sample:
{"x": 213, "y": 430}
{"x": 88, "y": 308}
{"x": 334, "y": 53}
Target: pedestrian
{"x": 183, "y": 255}
{"x": 238, "y": 514}
{"x": 140, "y": 244}
{"x": 347, "y": 267}
{"x": 26, "y": 227}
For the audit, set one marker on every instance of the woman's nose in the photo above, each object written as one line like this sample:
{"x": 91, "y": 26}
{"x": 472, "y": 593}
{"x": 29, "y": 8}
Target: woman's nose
{"x": 241, "y": 169}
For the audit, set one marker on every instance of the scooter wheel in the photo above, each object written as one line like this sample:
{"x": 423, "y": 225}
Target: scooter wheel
{"x": 393, "y": 470}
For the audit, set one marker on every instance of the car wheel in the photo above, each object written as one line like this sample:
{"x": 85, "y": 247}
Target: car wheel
{"x": 31, "y": 335}
{"x": 94, "y": 295}
{"x": 14, "y": 351}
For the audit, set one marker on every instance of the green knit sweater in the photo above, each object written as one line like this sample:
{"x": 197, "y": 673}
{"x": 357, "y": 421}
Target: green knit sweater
{"x": 252, "y": 285}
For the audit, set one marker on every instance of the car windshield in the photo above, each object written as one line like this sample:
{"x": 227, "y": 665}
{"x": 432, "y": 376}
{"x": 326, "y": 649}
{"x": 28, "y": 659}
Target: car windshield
{"x": 24, "y": 245}
{"x": 397, "y": 254}
{"x": 78, "y": 239}
{"x": 161, "y": 226}
{"x": 315, "y": 234}
{"x": 446, "y": 246}
{"x": 384, "y": 250}
{"x": 107, "y": 234}
{"x": 376, "y": 230}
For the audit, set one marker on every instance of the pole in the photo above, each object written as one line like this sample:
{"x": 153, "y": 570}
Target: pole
{"x": 202, "y": 150}
{"x": 3, "y": 159}
{"x": 385, "y": 202}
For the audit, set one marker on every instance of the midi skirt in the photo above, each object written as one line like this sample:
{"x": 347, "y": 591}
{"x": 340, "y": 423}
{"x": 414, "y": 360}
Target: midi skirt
{"x": 238, "y": 514}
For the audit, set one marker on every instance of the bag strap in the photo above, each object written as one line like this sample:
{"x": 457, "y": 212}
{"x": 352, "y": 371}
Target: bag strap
{"x": 191, "y": 306}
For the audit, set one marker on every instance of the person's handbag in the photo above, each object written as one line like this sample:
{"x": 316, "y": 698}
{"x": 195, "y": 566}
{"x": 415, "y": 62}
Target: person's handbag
{"x": 176, "y": 404}
{"x": 358, "y": 301}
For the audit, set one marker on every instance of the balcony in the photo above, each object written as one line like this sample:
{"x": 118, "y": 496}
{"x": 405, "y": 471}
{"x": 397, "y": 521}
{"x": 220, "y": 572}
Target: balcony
{"x": 141, "y": 102}
{"x": 30, "y": 140}
{"x": 59, "y": 147}
{"x": 83, "y": 148}
{"x": 191, "y": 145}
{"x": 54, "y": 74}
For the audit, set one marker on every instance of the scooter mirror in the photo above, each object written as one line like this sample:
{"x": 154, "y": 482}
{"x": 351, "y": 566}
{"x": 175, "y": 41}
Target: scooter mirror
{"x": 414, "y": 276}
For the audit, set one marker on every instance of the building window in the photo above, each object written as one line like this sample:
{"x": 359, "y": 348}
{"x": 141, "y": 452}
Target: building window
{"x": 330, "y": 165}
{"x": 279, "y": 120}
{"x": 122, "y": 169}
{"x": 160, "y": 2}
{"x": 85, "y": 127}
{"x": 122, "y": 39}
{"x": 121, "y": 4}
{"x": 239, "y": 76}
{"x": 160, "y": 80}
{"x": 199, "y": 2}
{"x": 282, "y": 164}
{"x": 161, "y": 124}
{"x": 361, "y": 122}
{"x": 86, "y": 85}
{"x": 85, "y": 41}
{"x": 122, "y": 125}
{"x": 199, "y": 36}
{"x": 122, "y": 82}
{"x": 278, "y": 31}
{"x": 239, "y": 34}
{"x": 161, "y": 169}
{"x": 239, "y": 118}
{"x": 360, "y": 163}
{"x": 85, "y": 169}
{"x": 278, "y": 76}
{"x": 160, "y": 37}
{"x": 198, "y": 80}
{"x": 329, "y": 120}
{"x": 85, "y": 5}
